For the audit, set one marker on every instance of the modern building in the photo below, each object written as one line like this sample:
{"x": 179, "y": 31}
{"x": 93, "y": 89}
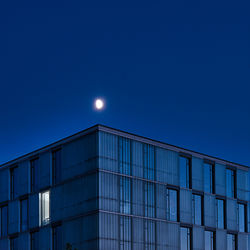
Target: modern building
{"x": 110, "y": 190}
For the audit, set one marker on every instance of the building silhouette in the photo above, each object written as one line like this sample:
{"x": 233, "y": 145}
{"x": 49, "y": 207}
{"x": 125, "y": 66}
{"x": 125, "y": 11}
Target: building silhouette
{"x": 107, "y": 189}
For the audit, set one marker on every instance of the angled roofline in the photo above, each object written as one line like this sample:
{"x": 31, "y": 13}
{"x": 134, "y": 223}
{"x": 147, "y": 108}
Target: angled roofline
{"x": 118, "y": 132}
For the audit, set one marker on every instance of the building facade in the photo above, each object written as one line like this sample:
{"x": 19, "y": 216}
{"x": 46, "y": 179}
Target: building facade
{"x": 107, "y": 189}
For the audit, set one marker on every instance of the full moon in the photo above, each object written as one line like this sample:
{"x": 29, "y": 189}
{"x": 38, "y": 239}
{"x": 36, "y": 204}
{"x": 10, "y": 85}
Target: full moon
{"x": 99, "y": 104}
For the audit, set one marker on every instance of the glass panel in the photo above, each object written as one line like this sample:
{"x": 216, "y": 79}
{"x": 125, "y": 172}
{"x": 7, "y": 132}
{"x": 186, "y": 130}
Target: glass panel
{"x": 220, "y": 213}
{"x": 4, "y": 221}
{"x": 149, "y": 199}
{"x": 197, "y": 215}
{"x": 184, "y": 172}
{"x": 185, "y": 238}
{"x": 209, "y": 240}
{"x": 57, "y": 166}
{"x": 208, "y": 178}
{"x": 230, "y": 177}
{"x": 57, "y": 238}
{"x": 231, "y": 242}
{"x": 24, "y": 215}
{"x": 172, "y": 205}
{"x": 125, "y": 195}
{"x": 34, "y": 241}
{"x": 34, "y": 175}
{"x": 14, "y": 243}
{"x": 13, "y": 183}
{"x": 125, "y": 233}
{"x": 124, "y": 156}
{"x": 241, "y": 217}
{"x": 149, "y": 162}
{"x": 45, "y": 207}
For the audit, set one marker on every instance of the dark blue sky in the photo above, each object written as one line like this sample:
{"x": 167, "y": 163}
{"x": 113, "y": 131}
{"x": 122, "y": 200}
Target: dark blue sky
{"x": 176, "y": 71}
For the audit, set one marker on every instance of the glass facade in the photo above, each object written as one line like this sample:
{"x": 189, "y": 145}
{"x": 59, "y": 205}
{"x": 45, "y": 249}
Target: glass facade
{"x": 241, "y": 217}
{"x": 34, "y": 241}
{"x": 124, "y": 156}
{"x": 231, "y": 242}
{"x": 24, "y": 215}
{"x": 13, "y": 183}
{"x": 172, "y": 204}
{"x": 14, "y": 244}
{"x": 208, "y": 178}
{"x": 220, "y": 213}
{"x": 149, "y": 162}
{"x": 197, "y": 209}
{"x": 149, "y": 198}
{"x": 125, "y": 233}
{"x": 57, "y": 238}
{"x": 125, "y": 195}
{"x": 56, "y": 166}
{"x": 230, "y": 182}
{"x": 185, "y": 170}
{"x": 185, "y": 238}
{"x": 45, "y": 207}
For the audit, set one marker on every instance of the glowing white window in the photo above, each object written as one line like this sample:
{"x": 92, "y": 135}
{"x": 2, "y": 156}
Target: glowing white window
{"x": 45, "y": 207}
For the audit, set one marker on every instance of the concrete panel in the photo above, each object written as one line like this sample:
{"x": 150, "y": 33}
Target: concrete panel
{"x": 13, "y": 217}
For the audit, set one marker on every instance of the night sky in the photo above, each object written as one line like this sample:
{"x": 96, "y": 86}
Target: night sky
{"x": 175, "y": 71}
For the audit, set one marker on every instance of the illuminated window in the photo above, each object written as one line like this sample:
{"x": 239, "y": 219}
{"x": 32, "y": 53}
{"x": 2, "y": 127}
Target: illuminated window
{"x": 45, "y": 207}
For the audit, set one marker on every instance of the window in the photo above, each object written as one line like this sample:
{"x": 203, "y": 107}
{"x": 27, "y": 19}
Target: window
{"x": 125, "y": 233}
{"x": 208, "y": 178}
{"x": 197, "y": 209}
{"x": 231, "y": 242}
{"x": 4, "y": 221}
{"x": 13, "y": 183}
{"x": 149, "y": 235}
{"x": 242, "y": 217}
{"x": 185, "y": 172}
{"x": 125, "y": 195}
{"x": 56, "y": 166}
{"x": 34, "y": 241}
{"x": 230, "y": 177}
{"x": 57, "y": 238}
{"x": 209, "y": 240}
{"x": 45, "y": 207}
{"x": 24, "y": 215}
{"x": 149, "y": 198}
{"x": 220, "y": 213}
{"x": 14, "y": 243}
{"x": 149, "y": 162}
{"x": 34, "y": 175}
{"x": 124, "y": 156}
{"x": 185, "y": 238}
{"x": 172, "y": 204}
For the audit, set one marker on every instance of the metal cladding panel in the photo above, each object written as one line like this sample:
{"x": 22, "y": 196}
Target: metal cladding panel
{"x": 197, "y": 174}
{"x": 108, "y": 151}
{"x": 243, "y": 241}
{"x": 162, "y": 231}
{"x": 44, "y": 170}
{"x": 220, "y": 179}
{"x": 81, "y": 233}
{"x": 33, "y": 210}
{"x": 186, "y": 206}
{"x": 242, "y": 185}
{"x": 44, "y": 238}
{"x": 221, "y": 239}
{"x": 108, "y": 192}
{"x": 198, "y": 238}
{"x": 13, "y": 217}
{"x": 23, "y": 177}
{"x": 79, "y": 196}
{"x": 108, "y": 231}
{"x": 79, "y": 156}
{"x": 232, "y": 214}
{"x": 4, "y": 185}
{"x": 137, "y": 231}
{"x": 209, "y": 210}
{"x": 167, "y": 166}
{"x": 4, "y": 244}
{"x": 137, "y": 159}
{"x": 137, "y": 197}
{"x": 173, "y": 236}
{"x": 56, "y": 195}
{"x": 161, "y": 204}
{"x": 23, "y": 241}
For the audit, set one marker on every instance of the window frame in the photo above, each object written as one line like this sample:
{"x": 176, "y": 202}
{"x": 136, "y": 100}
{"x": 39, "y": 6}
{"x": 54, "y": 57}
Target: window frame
{"x": 44, "y": 221}
{"x": 177, "y": 189}
{"x": 21, "y": 209}
{"x": 5, "y": 205}
{"x": 213, "y": 231}
{"x": 55, "y": 181}
{"x": 224, "y": 212}
{"x": 12, "y": 182}
{"x": 33, "y": 174}
{"x": 233, "y": 169}
{"x": 195, "y": 193}
{"x": 213, "y": 174}
{"x": 245, "y": 216}
{"x": 53, "y": 228}
{"x": 190, "y": 234}
{"x": 32, "y": 234}
{"x": 189, "y": 158}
